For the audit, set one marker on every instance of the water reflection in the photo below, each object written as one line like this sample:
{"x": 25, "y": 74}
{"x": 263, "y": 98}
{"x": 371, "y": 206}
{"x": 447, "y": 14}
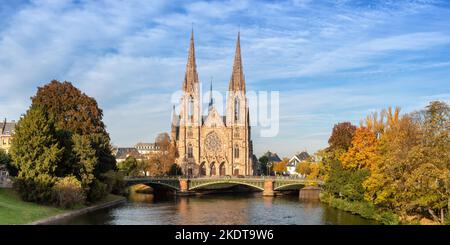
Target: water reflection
{"x": 218, "y": 209}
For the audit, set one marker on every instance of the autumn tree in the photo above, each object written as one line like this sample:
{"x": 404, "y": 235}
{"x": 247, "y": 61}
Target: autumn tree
{"x": 341, "y": 136}
{"x": 161, "y": 162}
{"x": 280, "y": 167}
{"x": 75, "y": 113}
{"x": 303, "y": 168}
{"x": 363, "y": 150}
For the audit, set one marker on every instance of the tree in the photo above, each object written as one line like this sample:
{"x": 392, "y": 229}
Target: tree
{"x": 161, "y": 162}
{"x": 345, "y": 183}
{"x": 386, "y": 185}
{"x": 280, "y": 167}
{"x": 264, "y": 160}
{"x": 341, "y": 136}
{"x": 35, "y": 153}
{"x": 70, "y": 109}
{"x": 363, "y": 150}
{"x": 316, "y": 171}
{"x": 5, "y": 159}
{"x": 303, "y": 168}
{"x": 175, "y": 170}
{"x": 129, "y": 166}
{"x": 86, "y": 159}
{"x": 75, "y": 113}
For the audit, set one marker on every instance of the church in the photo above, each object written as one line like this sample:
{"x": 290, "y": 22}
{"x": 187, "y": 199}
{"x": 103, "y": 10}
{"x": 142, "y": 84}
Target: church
{"x": 212, "y": 144}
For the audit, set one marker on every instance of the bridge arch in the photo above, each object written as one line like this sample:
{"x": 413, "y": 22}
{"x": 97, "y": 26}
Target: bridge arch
{"x": 195, "y": 186}
{"x": 288, "y": 185}
{"x": 173, "y": 185}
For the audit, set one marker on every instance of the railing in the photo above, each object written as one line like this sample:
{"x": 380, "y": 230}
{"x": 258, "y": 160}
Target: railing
{"x": 227, "y": 177}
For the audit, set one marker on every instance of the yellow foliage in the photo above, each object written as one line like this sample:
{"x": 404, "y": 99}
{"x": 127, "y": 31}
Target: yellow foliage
{"x": 280, "y": 167}
{"x": 362, "y": 153}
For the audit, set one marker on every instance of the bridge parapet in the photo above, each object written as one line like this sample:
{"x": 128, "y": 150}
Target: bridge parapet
{"x": 268, "y": 184}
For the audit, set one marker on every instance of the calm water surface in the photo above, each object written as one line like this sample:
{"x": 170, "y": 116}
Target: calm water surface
{"x": 252, "y": 209}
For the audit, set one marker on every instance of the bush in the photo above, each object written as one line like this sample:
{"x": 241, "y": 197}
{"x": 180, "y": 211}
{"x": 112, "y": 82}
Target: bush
{"x": 114, "y": 181}
{"x": 37, "y": 190}
{"x": 67, "y": 192}
{"x": 362, "y": 208}
{"x": 97, "y": 191}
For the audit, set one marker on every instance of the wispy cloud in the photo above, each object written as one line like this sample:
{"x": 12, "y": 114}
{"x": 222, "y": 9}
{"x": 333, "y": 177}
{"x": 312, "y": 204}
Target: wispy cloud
{"x": 331, "y": 60}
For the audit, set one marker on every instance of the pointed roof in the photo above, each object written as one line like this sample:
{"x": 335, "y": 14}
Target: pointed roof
{"x": 191, "y": 77}
{"x": 211, "y": 102}
{"x": 237, "y": 82}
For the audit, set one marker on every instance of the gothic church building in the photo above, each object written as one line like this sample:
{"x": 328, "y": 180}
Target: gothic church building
{"x": 212, "y": 144}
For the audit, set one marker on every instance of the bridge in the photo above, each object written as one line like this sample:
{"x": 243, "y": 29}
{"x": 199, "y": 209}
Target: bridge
{"x": 269, "y": 185}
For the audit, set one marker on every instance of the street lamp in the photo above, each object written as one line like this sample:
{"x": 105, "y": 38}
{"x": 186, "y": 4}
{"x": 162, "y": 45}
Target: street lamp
{"x": 269, "y": 164}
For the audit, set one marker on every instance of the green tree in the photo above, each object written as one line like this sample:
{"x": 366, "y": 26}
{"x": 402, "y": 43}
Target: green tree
{"x": 86, "y": 159}
{"x": 346, "y": 183}
{"x": 35, "y": 153}
{"x": 264, "y": 161}
{"x": 5, "y": 159}
{"x": 129, "y": 166}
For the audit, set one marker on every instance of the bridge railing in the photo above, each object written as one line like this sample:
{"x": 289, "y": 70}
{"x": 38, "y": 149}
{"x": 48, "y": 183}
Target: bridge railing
{"x": 283, "y": 178}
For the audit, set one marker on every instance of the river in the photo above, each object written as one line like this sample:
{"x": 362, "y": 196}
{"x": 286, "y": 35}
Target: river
{"x": 252, "y": 209}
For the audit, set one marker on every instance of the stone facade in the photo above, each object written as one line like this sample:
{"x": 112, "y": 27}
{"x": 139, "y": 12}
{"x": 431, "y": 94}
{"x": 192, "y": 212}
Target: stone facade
{"x": 213, "y": 145}
{"x": 6, "y": 134}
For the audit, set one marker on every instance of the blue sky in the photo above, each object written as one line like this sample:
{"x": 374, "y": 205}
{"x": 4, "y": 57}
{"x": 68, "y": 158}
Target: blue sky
{"x": 331, "y": 61}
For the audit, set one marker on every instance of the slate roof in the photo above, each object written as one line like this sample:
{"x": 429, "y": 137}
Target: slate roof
{"x": 7, "y": 128}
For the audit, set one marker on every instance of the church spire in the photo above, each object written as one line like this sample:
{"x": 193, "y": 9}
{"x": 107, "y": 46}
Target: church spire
{"x": 237, "y": 82}
{"x": 191, "y": 77}
{"x": 211, "y": 102}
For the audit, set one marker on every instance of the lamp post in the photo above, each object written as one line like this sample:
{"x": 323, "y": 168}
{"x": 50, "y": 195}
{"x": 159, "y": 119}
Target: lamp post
{"x": 269, "y": 165}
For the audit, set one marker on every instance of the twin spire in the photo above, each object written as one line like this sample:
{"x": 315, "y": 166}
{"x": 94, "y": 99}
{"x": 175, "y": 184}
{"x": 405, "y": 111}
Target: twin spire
{"x": 237, "y": 81}
{"x": 191, "y": 77}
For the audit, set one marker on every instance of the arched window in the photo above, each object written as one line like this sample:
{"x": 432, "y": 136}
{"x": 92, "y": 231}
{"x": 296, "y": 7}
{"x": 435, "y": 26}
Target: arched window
{"x": 190, "y": 152}
{"x": 236, "y": 151}
{"x": 212, "y": 169}
{"x": 236, "y": 109}
{"x": 222, "y": 169}
{"x": 191, "y": 107}
{"x": 202, "y": 169}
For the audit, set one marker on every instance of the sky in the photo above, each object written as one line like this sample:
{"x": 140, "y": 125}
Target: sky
{"x": 331, "y": 60}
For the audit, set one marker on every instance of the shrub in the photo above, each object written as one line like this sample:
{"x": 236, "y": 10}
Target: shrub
{"x": 67, "y": 192}
{"x": 97, "y": 191}
{"x": 114, "y": 181}
{"x": 38, "y": 189}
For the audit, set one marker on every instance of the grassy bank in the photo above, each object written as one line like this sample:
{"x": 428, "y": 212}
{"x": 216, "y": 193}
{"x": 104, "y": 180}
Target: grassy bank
{"x": 15, "y": 211}
{"x": 363, "y": 209}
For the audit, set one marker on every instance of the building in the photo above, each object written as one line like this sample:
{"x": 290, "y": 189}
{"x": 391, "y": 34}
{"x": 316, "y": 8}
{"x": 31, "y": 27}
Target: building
{"x": 6, "y": 134}
{"x": 121, "y": 153}
{"x": 213, "y": 144}
{"x": 147, "y": 148}
{"x": 295, "y": 160}
{"x": 272, "y": 157}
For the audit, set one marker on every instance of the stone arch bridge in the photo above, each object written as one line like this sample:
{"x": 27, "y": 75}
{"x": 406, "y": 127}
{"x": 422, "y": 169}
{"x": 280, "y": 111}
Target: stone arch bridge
{"x": 184, "y": 186}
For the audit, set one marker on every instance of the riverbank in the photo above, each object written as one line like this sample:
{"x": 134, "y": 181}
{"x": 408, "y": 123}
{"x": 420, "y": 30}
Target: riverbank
{"x": 363, "y": 209}
{"x": 15, "y": 211}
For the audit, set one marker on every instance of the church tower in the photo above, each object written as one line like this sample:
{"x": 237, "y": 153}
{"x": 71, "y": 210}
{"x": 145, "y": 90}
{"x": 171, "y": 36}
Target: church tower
{"x": 190, "y": 111}
{"x": 237, "y": 117}
{"x": 213, "y": 144}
